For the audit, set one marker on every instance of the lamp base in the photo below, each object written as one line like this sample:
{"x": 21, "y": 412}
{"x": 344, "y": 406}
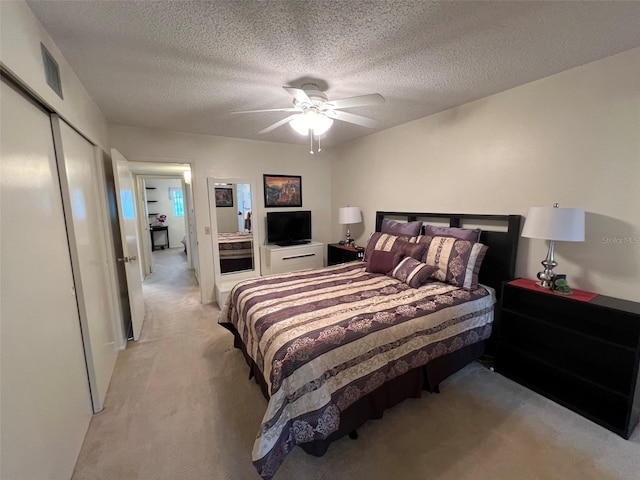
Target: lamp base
{"x": 549, "y": 263}
{"x": 546, "y": 279}
{"x": 348, "y": 239}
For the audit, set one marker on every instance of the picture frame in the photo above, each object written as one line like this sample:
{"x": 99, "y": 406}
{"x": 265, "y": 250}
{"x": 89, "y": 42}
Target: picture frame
{"x": 282, "y": 191}
{"x": 224, "y": 197}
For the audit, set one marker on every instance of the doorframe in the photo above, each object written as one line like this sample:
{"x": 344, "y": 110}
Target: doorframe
{"x": 143, "y": 217}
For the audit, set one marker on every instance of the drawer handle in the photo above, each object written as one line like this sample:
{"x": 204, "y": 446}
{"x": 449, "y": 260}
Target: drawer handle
{"x": 299, "y": 256}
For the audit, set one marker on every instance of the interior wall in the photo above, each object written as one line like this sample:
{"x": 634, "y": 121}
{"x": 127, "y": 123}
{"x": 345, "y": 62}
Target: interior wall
{"x": 164, "y": 205}
{"x": 221, "y": 157}
{"x": 570, "y": 138}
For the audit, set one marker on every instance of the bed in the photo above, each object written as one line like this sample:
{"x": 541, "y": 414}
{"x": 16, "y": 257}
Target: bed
{"x": 334, "y": 347}
{"x": 236, "y": 251}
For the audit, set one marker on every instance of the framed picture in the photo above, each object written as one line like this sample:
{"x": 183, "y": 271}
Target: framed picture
{"x": 282, "y": 191}
{"x": 224, "y": 197}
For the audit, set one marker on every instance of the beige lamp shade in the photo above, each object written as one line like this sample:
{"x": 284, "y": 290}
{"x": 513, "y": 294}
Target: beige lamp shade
{"x": 349, "y": 215}
{"x": 555, "y": 223}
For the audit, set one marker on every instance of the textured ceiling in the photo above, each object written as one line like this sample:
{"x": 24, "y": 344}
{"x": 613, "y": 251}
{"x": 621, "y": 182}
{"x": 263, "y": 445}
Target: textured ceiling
{"x": 185, "y": 65}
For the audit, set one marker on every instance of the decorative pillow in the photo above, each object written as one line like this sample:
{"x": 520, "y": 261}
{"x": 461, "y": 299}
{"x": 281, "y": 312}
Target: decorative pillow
{"x": 383, "y": 262}
{"x": 471, "y": 234}
{"x": 413, "y": 250}
{"x": 457, "y": 261}
{"x": 384, "y": 242}
{"x": 412, "y": 272}
{"x": 411, "y": 229}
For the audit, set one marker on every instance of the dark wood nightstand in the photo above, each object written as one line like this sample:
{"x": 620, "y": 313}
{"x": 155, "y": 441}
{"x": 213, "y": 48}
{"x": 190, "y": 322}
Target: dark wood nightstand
{"x": 337, "y": 253}
{"x": 583, "y": 355}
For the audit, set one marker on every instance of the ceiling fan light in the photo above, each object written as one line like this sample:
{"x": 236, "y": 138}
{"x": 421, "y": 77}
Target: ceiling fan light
{"x": 310, "y": 120}
{"x": 321, "y": 124}
{"x": 300, "y": 124}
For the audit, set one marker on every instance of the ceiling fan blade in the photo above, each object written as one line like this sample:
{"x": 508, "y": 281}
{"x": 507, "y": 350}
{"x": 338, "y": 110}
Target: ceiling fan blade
{"x": 299, "y": 94}
{"x": 359, "y": 101}
{"x": 279, "y": 123}
{"x": 352, "y": 118}
{"x": 269, "y": 110}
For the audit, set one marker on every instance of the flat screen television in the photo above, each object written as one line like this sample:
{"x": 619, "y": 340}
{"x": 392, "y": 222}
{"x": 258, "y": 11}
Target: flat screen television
{"x": 289, "y": 228}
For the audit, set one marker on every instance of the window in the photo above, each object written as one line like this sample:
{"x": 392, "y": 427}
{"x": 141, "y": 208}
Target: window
{"x": 175, "y": 194}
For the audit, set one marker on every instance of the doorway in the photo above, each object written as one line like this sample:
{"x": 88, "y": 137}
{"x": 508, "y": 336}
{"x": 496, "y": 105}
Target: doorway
{"x": 166, "y": 216}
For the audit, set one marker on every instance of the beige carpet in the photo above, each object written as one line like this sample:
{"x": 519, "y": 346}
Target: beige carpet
{"x": 180, "y": 407}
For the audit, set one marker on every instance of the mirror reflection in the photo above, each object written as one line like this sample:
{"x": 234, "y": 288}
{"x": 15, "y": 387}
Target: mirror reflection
{"x": 235, "y": 232}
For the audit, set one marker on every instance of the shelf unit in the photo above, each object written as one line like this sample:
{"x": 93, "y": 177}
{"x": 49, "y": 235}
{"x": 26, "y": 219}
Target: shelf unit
{"x": 151, "y": 201}
{"x": 582, "y": 355}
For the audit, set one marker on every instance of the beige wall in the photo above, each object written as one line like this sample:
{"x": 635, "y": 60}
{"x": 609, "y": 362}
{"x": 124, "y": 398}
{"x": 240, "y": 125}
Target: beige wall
{"x": 572, "y": 138}
{"x": 20, "y": 36}
{"x": 221, "y": 157}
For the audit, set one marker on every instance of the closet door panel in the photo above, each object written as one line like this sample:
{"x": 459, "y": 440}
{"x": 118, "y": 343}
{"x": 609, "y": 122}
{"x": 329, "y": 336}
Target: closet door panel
{"x": 88, "y": 238}
{"x": 46, "y": 405}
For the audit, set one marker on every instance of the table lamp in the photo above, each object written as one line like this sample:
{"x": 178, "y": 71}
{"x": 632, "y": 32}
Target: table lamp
{"x": 348, "y": 216}
{"x": 553, "y": 224}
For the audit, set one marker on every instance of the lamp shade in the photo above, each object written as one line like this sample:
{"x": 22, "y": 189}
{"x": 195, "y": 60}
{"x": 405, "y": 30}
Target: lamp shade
{"x": 349, "y": 215}
{"x": 555, "y": 223}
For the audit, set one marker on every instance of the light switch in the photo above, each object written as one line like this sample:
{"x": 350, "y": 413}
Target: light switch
{"x": 207, "y": 230}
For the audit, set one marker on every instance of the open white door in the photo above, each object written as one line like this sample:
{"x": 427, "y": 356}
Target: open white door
{"x": 130, "y": 241}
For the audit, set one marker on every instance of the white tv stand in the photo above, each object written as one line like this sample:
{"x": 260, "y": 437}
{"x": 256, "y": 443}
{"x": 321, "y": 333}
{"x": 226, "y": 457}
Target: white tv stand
{"x": 275, "y": 259}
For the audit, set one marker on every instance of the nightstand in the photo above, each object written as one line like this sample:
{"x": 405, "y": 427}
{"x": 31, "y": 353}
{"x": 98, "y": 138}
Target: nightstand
{"x": 337, "y": 254}
{"x": 583, "y": 355}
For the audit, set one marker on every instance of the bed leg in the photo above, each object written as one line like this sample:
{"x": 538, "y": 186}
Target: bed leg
{"x": 353, "y": 435}
{"x": 436, "y": 389}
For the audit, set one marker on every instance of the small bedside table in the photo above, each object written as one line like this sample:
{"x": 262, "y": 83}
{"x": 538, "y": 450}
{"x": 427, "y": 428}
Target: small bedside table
{"x": 337, "y": 254}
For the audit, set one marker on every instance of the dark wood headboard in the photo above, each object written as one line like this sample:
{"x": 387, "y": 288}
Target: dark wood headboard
{"x": 499, "y": 263}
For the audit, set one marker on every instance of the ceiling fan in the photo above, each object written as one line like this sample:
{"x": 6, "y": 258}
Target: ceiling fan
{"x": 315, "y": 113}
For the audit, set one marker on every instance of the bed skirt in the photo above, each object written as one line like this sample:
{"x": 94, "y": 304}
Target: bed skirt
{"x": 372, "y": 406}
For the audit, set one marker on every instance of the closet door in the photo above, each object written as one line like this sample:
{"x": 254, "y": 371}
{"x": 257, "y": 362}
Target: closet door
{"x": 80, "y": 182}
{"x": 46, "y": 405}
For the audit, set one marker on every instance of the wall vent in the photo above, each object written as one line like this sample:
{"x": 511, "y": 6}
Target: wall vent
{"x": 51, "y": 71}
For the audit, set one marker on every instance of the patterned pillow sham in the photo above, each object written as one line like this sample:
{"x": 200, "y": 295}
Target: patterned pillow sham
{"x": 383, "y": 262}
{"x": 395, "y": 227}
{"x": 408, "y": 246}
{"x": 457, "y": 261}
{"x": 471, "y": 234}
{"x": 382, "y": 241}
{"x": 413, "y": 272}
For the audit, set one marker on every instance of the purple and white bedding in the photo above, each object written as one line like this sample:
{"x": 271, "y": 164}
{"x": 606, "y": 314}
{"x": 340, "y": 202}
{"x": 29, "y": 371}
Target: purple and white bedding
{"x": 235, "y": 245}
{"x": 325, "y": 338}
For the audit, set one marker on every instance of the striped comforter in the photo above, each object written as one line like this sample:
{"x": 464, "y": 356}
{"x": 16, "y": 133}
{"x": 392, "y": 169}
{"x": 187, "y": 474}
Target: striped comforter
{"x": 235, "y": 245}
{"x": 325, "y": 338}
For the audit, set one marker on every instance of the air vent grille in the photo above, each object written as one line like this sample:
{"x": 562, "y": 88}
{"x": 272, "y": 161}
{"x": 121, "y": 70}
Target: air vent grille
{"x": 51, "y": 71}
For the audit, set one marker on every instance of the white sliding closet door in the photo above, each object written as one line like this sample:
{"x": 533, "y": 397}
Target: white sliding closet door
{"x": 80, "y": 182}
{"x": 45, "y": 401}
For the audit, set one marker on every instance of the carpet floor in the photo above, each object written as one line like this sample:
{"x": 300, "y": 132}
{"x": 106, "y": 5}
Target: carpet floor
{"x": 180, "y": 407}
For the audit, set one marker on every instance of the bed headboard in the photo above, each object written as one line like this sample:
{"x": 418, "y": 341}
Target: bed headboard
{"x": 499, "y": 232}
